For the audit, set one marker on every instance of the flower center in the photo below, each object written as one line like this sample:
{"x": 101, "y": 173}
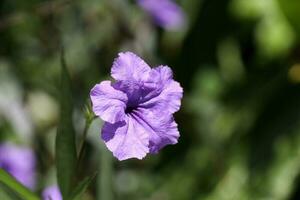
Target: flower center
{"x": 5, "y": 166}
{"x": 129, "y": 109}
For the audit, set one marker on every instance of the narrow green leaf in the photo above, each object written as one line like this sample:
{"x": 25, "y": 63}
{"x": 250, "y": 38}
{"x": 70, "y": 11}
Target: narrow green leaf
{"x": 14, "y": 185}
{"x": 81, "y": 188}
{"x": 65, "y": 138}
{"x": 4, "y": 194}
{"x": 7, "y": 193}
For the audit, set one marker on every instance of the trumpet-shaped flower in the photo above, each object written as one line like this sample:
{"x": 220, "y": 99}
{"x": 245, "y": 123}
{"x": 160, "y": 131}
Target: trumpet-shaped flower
{"x": 137, "y": 108}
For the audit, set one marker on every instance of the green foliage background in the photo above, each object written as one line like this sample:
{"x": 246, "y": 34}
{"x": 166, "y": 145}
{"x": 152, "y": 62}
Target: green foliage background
{"x": 237, "y": 60}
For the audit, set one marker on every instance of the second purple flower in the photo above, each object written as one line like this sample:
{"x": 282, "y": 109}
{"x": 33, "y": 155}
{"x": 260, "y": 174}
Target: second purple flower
{"x": 20, "y": 162}
{"x": 165, "y": 13}
{"x": 138, "y": 108}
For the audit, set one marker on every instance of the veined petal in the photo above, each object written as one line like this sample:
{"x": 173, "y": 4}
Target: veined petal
{"x": 169, "y": 98}
{"x": 131, "y": 89}
{"x": 108, "y": 103}
{"x": 129, "y": 66}
{"x": 161, "y": 128}
{"x": 126, "y": 139}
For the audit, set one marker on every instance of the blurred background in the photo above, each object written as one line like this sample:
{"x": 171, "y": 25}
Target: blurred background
{"x": 237, "y": 60}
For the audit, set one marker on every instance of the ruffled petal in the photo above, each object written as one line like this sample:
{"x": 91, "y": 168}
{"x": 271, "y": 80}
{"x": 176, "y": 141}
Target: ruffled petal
{"x": 161, "y": 128}
{"x": 126, "y": 139}
{"x": 169, "y": 92}
{"x": 108, "y": 103}
{"x": 129, "y": 66}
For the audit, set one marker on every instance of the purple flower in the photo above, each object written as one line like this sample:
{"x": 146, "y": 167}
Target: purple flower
{"x": 137, "y": 108}
{"x": 19, "y": 162}
{"x": 165, "y": 13}
{"x": 52, "y": 193}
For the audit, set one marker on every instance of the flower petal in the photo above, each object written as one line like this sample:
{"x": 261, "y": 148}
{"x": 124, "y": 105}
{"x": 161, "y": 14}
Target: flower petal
{"x": 108, "y": 102}
{"x": 131, "y": 89}
{"x": 126, "y": 139}
{"x": 162, "y": 129}
{"x": 169, "y": 98}
{"x": 129, "y": 66}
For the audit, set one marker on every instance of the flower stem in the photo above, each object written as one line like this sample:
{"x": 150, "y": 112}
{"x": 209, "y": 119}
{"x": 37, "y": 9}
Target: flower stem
{"x": 82, "y": 141}
{"x": 89, "y": 118}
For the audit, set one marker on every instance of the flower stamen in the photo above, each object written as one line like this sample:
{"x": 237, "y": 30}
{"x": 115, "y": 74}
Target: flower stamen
{"x": 129, "y": 109}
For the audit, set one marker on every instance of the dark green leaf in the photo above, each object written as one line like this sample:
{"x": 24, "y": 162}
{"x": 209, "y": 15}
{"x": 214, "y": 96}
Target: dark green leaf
{"x": 15, "y": 186}
{"x": 81, "y": 188}
{"x": 65, "y": 138}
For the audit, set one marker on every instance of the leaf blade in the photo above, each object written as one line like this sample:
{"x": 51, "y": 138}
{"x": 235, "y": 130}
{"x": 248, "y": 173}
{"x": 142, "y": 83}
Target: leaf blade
{"x": 65, "y": 137}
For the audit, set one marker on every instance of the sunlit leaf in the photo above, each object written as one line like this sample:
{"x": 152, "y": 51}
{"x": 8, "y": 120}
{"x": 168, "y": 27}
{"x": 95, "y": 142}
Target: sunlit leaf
{"x": 291, "y": 9}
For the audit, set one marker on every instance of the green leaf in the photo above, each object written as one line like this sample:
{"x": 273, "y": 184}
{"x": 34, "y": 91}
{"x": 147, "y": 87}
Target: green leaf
{"x": 291, "y": 9}
{"x": 14, "y": 185}
{"x": 8, "y": 194}
{"x": 4, "y": 194}
{"x": 81, "y": 188}
{"x": 65, "y": 138}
